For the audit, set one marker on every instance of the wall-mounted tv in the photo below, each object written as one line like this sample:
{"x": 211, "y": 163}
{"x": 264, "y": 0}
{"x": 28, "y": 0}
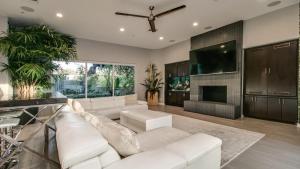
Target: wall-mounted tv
{"x": 215, "y": 59}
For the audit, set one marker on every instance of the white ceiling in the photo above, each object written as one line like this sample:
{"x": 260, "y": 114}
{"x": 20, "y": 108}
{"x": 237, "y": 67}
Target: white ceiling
{"x": 95, "y": 19}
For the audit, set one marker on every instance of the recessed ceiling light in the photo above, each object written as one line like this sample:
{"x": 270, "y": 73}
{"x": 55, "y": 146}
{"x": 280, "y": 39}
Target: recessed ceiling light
{"x": 222, "y": 46}
{"x": 195, "y": 24}
{"x": 27, "y": 9}
{"x": 225, "y": 51}
{"x": 274, "y": 3}
{"x": 122, "y": 29}
{"x": 161, "y": 38}
{"x": 208, "y": 27}
{"x": 59, "y": 15}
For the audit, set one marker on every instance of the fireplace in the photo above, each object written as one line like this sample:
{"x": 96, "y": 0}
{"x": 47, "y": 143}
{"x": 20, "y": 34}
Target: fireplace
{"x": 213, "y": 93}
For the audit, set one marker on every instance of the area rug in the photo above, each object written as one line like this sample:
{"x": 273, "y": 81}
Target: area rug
{"x": 235, "y": 141}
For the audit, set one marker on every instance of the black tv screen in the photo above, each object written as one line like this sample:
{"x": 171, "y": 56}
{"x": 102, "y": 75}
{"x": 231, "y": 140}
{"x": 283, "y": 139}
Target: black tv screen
{"x": 216, "y": 59}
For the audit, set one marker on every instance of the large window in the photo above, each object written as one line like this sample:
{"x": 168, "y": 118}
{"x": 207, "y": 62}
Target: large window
{"x": 70, "y": 79}
{"x": 89, "y": 80}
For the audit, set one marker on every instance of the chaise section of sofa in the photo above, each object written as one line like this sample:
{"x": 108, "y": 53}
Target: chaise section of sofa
{"x": 82, "y": 146}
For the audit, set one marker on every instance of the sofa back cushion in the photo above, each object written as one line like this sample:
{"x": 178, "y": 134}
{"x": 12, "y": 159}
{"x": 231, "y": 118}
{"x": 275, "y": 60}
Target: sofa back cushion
{"x": 121, "y": 138}
{"x": 107, "y": 102}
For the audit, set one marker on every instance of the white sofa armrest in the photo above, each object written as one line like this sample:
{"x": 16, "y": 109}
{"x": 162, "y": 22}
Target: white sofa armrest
{"x": 77, "y": 141}
{"x": 156, "y": 159}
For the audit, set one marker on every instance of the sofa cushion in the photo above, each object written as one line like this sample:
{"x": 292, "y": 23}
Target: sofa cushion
{"x": 194, "y": 147}
{"x": 107, "y": 102}
{"x": 112, "y": 113}
{"x": 160, "y": 137}
{"x": 156, "y": 159}
{"x": 77, "y": 140}
{"x": 121, "y": 138}
{"x": 109, "y": 157}
{"x": 93, "y": 163}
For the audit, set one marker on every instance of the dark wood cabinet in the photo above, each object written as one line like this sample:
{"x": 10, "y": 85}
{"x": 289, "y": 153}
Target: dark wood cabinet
{"x": 255, "y": 106}
{"x": 274, "y": 108}
{"x": 271, "y": 108}
{"x": 271, "y": 82}
{"x": 256, "y": 67}
{"x": 289, "y": 110}
{"x": 249, "y": 106}
{"x": 171, "y": 70}
{"x": 282, "y": 70}
{"x": 174, "y": 73}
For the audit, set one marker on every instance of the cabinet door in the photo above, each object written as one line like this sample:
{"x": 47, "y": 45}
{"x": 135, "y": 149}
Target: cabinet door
{"x": 261, "y": 108}
{"x": 283, "y": 69}
{"x": 274, "y": 108}
{"x": 171, "y": 98}
{"x": 169, "y": 70}
{"x": 185, "y": 68}
{"x": 289, "y": 110}
{"x": 256, "y": 70}
{"x": 249, "y": 106}
{"x": 180, "y": 99}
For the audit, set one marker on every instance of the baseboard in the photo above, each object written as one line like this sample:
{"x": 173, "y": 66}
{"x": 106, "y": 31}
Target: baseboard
{"x": 161, "y": 104}
{"x": 298, "y": 125}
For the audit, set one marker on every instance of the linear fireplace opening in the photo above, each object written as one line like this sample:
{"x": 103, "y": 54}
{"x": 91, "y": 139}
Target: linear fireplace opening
{"x": 213, "y": 93}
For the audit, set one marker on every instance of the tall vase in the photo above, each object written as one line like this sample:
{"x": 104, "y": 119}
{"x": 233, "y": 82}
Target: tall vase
{"x": 152, "y": 99}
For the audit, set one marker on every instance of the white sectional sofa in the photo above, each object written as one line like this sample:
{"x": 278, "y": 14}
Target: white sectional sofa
{"x": 111, "y": 106}
{"x": 85, "y": 141}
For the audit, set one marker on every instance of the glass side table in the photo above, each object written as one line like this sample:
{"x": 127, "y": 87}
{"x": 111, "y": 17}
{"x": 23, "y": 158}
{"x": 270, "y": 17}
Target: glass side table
{"x": 26, "y": 131}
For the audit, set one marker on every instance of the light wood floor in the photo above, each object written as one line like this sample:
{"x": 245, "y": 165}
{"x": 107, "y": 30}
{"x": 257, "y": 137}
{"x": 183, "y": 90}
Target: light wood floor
{"x": 279, "y": 149}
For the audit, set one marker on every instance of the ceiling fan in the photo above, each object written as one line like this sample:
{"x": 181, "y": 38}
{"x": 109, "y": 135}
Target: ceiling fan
{"x": 152, "y": 17}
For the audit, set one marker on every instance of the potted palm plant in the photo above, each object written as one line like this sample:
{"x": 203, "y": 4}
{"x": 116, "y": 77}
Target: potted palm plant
{"x": 153, "y": 84}
{"x": 31, "y": 52}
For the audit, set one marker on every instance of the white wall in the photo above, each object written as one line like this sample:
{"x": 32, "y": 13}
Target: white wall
{"x": 5, "y": 88}
{"x": 111, "y": 53}
{"x": 280, "y": 25}
{"x": 176, "y": 53}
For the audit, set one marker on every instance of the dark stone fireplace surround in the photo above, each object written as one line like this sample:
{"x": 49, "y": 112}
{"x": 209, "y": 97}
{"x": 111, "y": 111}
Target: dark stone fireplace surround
{"x": 233, "y": 81}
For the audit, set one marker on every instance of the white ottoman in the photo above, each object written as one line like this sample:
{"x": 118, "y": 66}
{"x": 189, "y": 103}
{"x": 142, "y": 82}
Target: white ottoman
{"x": 145, "y": 120}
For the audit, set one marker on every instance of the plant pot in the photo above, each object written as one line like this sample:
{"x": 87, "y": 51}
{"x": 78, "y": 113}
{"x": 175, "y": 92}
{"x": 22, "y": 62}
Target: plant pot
{"x": 25, "y": 92}
{"x": 152, "y": 99}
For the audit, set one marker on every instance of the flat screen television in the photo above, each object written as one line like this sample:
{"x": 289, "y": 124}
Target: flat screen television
{"x": 217, "y": 59}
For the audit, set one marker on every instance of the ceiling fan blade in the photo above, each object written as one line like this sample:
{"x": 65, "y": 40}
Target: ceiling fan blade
{"x": 134, "y": 15}
{"x": 152, "y": 25}
{"x": 170, "y": 11}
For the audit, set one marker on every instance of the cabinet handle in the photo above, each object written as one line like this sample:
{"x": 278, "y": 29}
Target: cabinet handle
{"x": 279, "y": 101}
{"x": 283, "y": 102}
{"x": 269, "y": 71}
{"x": 251, "y": 99}
{"x": 266, "y": 70}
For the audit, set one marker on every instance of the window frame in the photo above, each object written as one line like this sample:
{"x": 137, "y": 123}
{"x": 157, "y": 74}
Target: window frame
{"x": 86, "y": 62}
